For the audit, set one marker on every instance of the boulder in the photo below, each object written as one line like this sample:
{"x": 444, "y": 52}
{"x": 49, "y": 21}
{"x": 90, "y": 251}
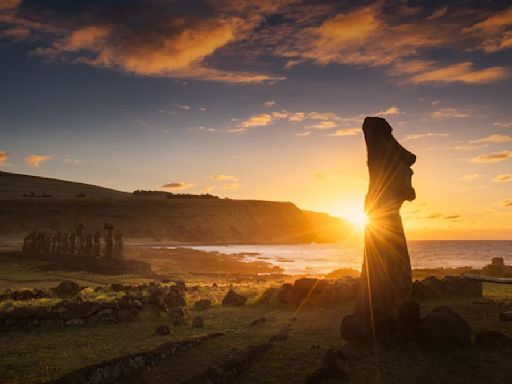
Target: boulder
{"x": 104, "y": 316}
{"x": 197, "y": 322}
{"x": 357, "y": 327}
{"x": 177, "y": 316}
{"x": 310, "y": 286}
{"x": 408, "y": 320}
{"x": 203, "y": 304}
{"x": 173, "y": 299}
{"x": 67, "y": 289}
{"x": 124, "y": 315}
{"x": 286, "y": 294}
{"x": 126, "y": 302}
{"x": 443, "y": 329}
{"x": 234, "y": 299}
{"x": 78, "y": 310}
{"x": 488, "y": 339}
{"x": 163, "y": 330}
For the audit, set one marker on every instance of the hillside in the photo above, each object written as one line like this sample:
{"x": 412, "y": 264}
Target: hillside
{"x": 190, "y": 220}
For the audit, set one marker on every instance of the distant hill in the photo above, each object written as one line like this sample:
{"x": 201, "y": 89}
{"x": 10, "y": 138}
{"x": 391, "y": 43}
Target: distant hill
{"x": 159, "y": 218}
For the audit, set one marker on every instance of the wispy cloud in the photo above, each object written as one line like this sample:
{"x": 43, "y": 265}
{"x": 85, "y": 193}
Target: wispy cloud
{"x": 231, "y": 186}
{"x": 506, "y": 203}
{"x": 449, "y": 113}
{"x": 493, "y": 157}
{"x": 323, "y": 116}
{"x": 468, "y": 177}
{"x": 502, "y": 178}
{"x": 461, "y": 73}
{"x": 269, "y": 103}
{"x": 389, "y": 111}
{"x": 222, "y": 177}
{"x": 178, "y": 185}
{"x": 260, "y": 120}
{"x": 497, "y": 138}
{"x": 4, "y": 156}
{"x": 35, "y": 161}
{"x": 323, "y": 125}
{"x": 347, "y": 132}
{"x": 417, "y": 136}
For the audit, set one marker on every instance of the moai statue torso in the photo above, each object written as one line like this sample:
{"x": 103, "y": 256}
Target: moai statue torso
{"x": 118, "y": 245}
{"x": 96, "y": 247}
{"x": 64, "y": 250}
{"x": 386, "y": 278}
{"x": 80, "y": 240}
{"x": 109, "y": 242}
{"x": 72, "y": 245}
{"x": 88, "y": 246}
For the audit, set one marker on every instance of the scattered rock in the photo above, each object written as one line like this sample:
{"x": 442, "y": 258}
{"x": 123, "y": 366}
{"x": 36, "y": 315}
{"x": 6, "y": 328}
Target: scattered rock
{"x": 443, "y": 329}
{"x": 67, "y": 289}
{"x": 506, "y": 316}
{"x": 177, "y": 316}
{"x": 73, "y": 310}
{"x": 173, "y": 299}
{"x": 124, "y": 315}
{"x": 163, "y": 330}
{"x": 126, "y": 302}
{"x": 491, "y": 339}
{"x": 197, "y": 322}
{"x": 258, "y": 321}
{"x": 357, "y": 327}
{"x": 233, "y": 298}
{"x": 74, "y": 322}
{"x": 104, "y": 316}
{"x": 308, "y": 286}
{"x": 203, "y": 304}
{"x": 286, "y": 294}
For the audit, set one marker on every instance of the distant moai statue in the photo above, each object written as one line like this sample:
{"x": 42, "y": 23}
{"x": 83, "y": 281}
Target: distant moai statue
{"x": 58, "y": 243}
{"x": 96, "y": 247}
{"x": 88, "y": 246}
{"x": 64, "y": 249}
{"x": 72, "y": 245}
{"x": 109, "y": 242}
{"x": 79, "y": 232}
{"x": 118, "y": 245}
{"x": 53, "y": 243}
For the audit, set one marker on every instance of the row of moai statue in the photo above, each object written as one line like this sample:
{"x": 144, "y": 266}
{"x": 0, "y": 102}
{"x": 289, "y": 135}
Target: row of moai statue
{"x": 77, "y": 244}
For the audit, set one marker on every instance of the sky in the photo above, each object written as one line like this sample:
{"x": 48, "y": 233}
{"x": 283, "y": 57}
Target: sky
{"x": 265, "y": 100}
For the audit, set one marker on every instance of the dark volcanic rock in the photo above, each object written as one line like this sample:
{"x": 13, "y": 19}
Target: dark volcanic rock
{"x": 308, "y": 286}
{"x": 408, "y": 320}
{"x": 163, "y": 330}
{"x": 357, "y": 327}
{"x": 286, "y": 294}
{"x": 67, "y": 289}
{"x": 233, "y": 299}
{"x": 203, "y": 304}
{"x": 443, "y": 329}
{"x": 173, "y": 299}
{"x": 492, "y": 339}
{"x": 177, "y": 316}
{"x": 125, "y": 315}
{"x": 78, "y": 310}
{"x": 197, "y": 322}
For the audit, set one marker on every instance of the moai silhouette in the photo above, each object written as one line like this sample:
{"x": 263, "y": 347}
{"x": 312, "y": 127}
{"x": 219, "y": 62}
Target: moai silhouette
{"x": 386, "y": 277}
{"x": 118, "y": 245}
{"x": 109, "y": 243}
{"x": 88, "y": 246}
{"x": 58, "y": 243}
{"x": 96, "y": 248}
{"x": 72, "y": 245}
{"x": 80, "y": 239}
{"x": 65, "y": 245}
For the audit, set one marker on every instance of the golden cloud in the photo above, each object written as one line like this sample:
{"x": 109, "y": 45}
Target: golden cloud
{"x": 493, "y": 157}
{"x": 36, "y": 160}
{"x": 468, "y": 177}
{"x": 463, "y": 73}
{"x": 4, "y": 156}
{"x": 177, "y": 185}
{"x": 323, "y": 125}
{"x": 347, "y": 132}
{"x": 495, "y": 31}
{"x": 260, "y": 120}
{"x": 418, "y": 136}
{"x": 231, "y": 186}
{"x": 506, "y": 203}
{"x": 389, "y": 111}
{"x": 449, "y": 113}
{"x": 502, "y": 178}
{"x": 497, "y": 138}
{"x": 222, "y": 177}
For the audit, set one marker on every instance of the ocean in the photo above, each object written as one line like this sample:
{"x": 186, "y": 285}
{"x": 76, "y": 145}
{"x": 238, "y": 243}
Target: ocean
{"x": 324, "y": 258}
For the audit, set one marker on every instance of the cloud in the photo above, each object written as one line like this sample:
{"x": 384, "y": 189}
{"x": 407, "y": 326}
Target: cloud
{"x": 170, "y": 40}
{"x": 503, "y": 124}
{"x": 492, "y": 157}
{"x": 417, "y": 136}
{"x": 177, "y": 185}
{"x": 462, "y": 73}
{"x": 260, "y": 120}
{"x": 4, "y": 156}
{"x": 469, "y": 147}
{"x": 323, "y": 125}
{"x": 438, "y": 13}
{"x": 506, "y": 203}
{"x": 297, "y": 117}
{"x": 322, "y": 116}
{"x": 497, "y": 138}
{"x": 468, "y": 177}
{"x": 502, "y": 178}
{"x": 302, "y": 134}
{"x": 389, "y": 111}
{"x": 451, "y": 217}
{"x": 347, "y": 132}
{"x": 269, "y": 103}
{"x": 434, "y": 216}
{"x": 184, "y": 107}
{"x": 320, "y": 177}
{"x": 448, "y": 113}
{"x": 222, "y": 177}
{"x": 231, "y": 186}
{"x": 494, "y": 31}
{"x": 36, "y": 160}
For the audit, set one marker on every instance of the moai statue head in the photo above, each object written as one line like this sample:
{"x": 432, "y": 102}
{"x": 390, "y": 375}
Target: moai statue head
{"x": 389, "y": 165}
{"x": 79, "y": 229}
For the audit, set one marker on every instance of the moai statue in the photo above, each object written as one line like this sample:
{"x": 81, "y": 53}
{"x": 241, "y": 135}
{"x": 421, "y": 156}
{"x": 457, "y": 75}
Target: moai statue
{"x": 109, "y": 242}
{"x": 118, "y": 245}
{"x": 26, "y": 243}
{"x": 72, "y": 245}
{"x": 64, "y": 249}
{"x": 80, "y": 240}
{"x": 96, "y": 247}
{"x": 58, "y": 243}
{"x": 386, "y": 277}
{"x": 88, "y": 246}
